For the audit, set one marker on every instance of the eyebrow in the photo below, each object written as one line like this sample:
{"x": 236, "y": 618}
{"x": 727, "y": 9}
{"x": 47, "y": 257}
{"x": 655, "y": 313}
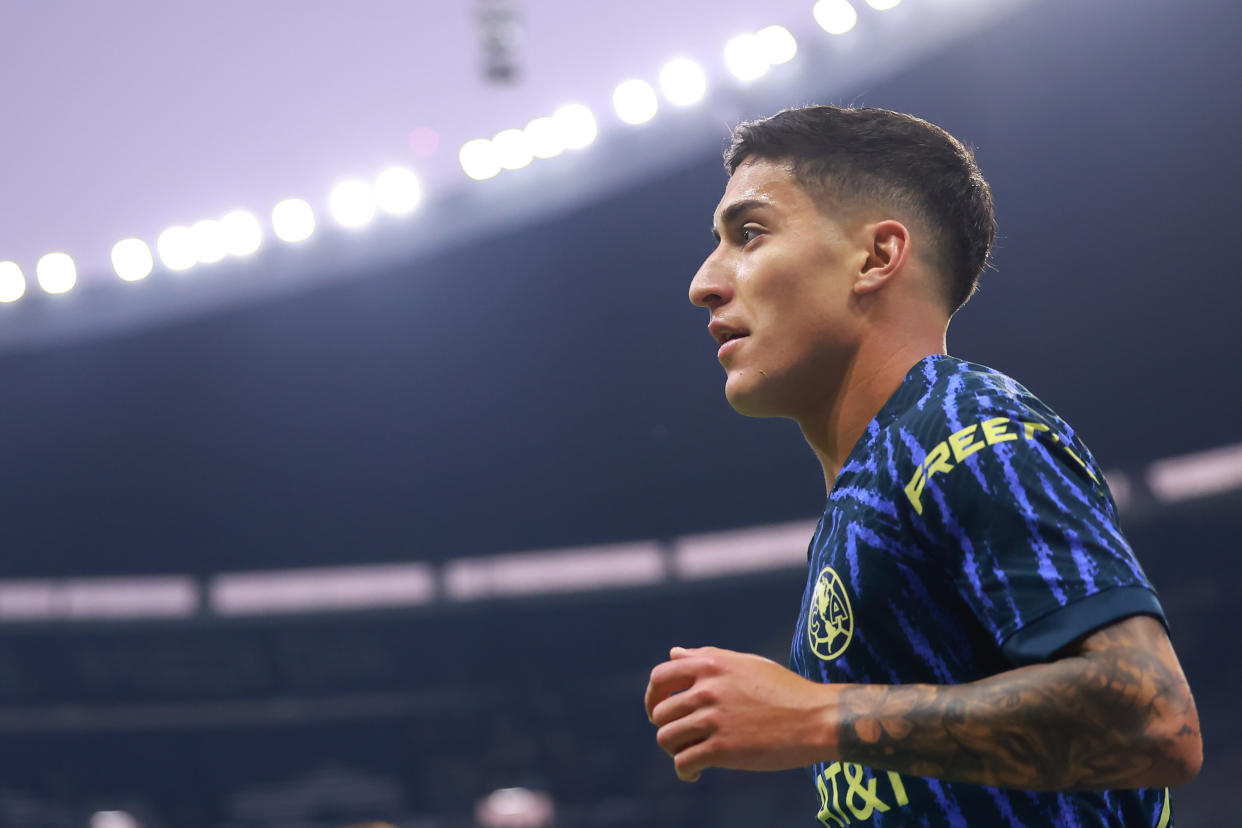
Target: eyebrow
{"x": 736, "y": 209}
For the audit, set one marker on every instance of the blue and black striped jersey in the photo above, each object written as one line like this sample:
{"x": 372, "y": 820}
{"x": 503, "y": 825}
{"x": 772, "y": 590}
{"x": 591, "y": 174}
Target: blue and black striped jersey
{"x": 969, "y": 532}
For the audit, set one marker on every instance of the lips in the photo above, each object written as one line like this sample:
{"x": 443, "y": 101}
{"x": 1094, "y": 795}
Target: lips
{"x": 731, "y": 344}
{"x": 722, "y": 331}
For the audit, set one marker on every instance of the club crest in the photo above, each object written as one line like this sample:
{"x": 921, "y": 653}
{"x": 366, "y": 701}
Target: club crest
{"x": 830, "y": 624}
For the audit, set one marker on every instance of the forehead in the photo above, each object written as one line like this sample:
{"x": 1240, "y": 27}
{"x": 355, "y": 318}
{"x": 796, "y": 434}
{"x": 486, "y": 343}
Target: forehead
{"x": 770, "y": 182}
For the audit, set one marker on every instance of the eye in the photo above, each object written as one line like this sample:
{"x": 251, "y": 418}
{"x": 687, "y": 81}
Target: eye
{"x": 749, "y": 233}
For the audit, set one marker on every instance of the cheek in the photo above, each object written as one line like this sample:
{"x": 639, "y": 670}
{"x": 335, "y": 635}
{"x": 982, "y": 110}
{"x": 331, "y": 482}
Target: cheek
{"x": 804, "y": 337}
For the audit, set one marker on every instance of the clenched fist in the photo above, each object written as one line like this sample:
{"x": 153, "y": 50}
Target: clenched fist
{"x": 719, "y": 708}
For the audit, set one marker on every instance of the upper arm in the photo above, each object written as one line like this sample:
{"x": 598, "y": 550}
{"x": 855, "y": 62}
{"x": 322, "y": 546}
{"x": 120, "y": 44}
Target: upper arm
{"x": 1139, "y": 632}
{"x": 1133, "y": 663}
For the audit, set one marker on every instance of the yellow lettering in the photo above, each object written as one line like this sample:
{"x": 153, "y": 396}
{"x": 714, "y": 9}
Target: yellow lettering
{"x": 937, "y": 460}
{"x": 994, "y": 430}
{"x": 914, "y": 489}
{"x": 825, "y": 810}
{"x": 830, "y": 774}
{"x": 1085, "y": 468}
{"x": 860, "y": 796}
{"x": 962, "y": 443}
{"x": 1031, "y": 428}
{"x": 899, "y": 787}
{"x": 962, "y": 446}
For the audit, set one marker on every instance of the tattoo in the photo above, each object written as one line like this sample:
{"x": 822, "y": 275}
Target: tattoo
{"x": 1115, "y": 712}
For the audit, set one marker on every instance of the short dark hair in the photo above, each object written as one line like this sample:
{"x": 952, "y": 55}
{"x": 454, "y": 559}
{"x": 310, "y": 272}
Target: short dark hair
{"x": 890, "y": 159}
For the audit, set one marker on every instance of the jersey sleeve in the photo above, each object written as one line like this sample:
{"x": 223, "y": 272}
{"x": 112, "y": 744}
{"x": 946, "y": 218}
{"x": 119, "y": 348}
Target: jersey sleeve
{"x": 1023, "y": 518}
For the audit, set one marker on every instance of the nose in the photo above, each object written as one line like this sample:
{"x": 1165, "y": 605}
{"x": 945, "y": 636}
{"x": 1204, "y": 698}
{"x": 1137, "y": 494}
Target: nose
{"x": 710, "y": 287}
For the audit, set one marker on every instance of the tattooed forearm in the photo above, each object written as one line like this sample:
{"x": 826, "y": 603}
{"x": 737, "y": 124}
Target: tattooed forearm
{"x": 1115, "y": 714}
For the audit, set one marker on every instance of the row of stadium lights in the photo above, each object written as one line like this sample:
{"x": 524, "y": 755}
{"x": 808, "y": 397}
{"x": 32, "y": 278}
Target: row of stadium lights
{"x": 396, "y": 191}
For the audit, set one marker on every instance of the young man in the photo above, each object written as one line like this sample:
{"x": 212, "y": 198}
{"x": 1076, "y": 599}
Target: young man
{"x": 977, "y": 644}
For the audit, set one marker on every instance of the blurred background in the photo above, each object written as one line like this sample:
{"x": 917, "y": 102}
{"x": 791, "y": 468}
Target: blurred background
{"x": 361, "y": 452}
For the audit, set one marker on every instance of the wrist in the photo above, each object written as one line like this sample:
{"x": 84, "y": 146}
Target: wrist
{"x": 827, "y": 717}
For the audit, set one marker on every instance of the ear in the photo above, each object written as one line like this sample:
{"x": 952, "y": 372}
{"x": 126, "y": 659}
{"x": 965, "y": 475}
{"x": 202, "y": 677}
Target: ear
{"x": 888, "y": 244}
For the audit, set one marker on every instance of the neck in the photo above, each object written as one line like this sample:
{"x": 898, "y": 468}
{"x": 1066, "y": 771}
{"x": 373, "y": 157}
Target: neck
{"x": 871, "y": 376}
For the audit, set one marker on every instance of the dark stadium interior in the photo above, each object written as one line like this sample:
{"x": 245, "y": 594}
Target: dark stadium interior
{"x": 549, "y": 386}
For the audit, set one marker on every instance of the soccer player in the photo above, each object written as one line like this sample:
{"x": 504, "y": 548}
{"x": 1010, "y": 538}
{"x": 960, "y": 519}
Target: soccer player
{"x": 977, "y": 644}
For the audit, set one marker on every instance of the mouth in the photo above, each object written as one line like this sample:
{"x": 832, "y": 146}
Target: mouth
{"x": 729, "y": 344}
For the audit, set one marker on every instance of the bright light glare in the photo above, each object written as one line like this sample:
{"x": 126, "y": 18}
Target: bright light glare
{"x": 208, "y": 241}
{"x": 514, "y": 806}
{"x": 744, "y": 55}
{"x": 132, "y": 260}
{"x": 56, "y": 273}
{"x": 683, "y": 82}
{"x": 635, "y": 101}
{"x": 882, "y": 5}
{"x": 113, "y": 819}
{"x": 176, "y": 248}
{"x": 242, "y": 233}
{"x": 12, "y": 282}
{"x": 397, "y": 191}
{"x": 543, "y": 138}
{"x": 352, "y": 203}
{"x": 512, "y": 148}
{"x": 835, "y": 16}
{"x": 293, "y": 220}
{"x": 575, "y": 125}
{"x": 778, "y": 44}
{"x": 479, "y": 159}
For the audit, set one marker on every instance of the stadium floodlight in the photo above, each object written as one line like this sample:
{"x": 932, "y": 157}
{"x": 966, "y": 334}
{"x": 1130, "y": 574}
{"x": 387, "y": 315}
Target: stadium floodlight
{"x": 512, "y": 149}
{"x": 293, "y": 220}
{"x": 176, "y": 248}
{"x": 746, "y": 58}
{"x": 479, "y": 159}
{"x": 882, "y": 5}
{"x": 12, "y": 282}
{"x": 132, "y": 260}
{"x": 208, "y": 241}
{"x": 544, "y": 140}
{"x": 683, "y": 82}
{"x": 352, "y": 203}
{"x": 635, "y": 101}
{"x": 778, "y": 44}
{"x": 56, "y": 273}
{"x": 575, "y": 125}
{"x": 242, "y": 233}
{"x": 835, "y": 16}
{"x": 397, "y": 191}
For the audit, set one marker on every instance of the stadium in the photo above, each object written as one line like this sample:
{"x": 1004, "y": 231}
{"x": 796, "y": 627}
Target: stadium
{"x": 364, "y": 455}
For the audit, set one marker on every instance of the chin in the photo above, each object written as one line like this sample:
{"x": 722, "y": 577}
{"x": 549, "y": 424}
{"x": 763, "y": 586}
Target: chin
{"x": 749, "y": 397}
